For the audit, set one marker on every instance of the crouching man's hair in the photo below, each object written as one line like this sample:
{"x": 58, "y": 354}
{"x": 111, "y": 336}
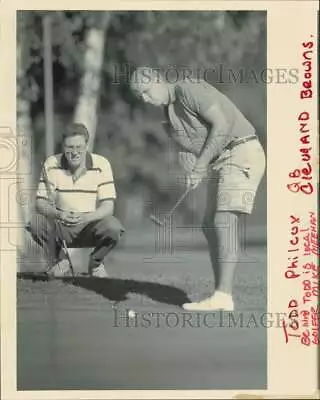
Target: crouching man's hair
{"x": 76, "y": 129}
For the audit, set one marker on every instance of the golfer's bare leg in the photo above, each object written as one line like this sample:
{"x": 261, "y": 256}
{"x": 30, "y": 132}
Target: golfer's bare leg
{"x": 221, "y": 232}
{"x": 223, "y": 242}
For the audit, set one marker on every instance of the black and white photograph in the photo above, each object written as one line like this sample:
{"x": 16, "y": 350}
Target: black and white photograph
{"x": 143, "y": 262}
{"x": 159, "y": 169}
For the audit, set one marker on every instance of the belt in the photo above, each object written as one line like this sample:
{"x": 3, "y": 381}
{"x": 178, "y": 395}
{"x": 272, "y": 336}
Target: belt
{"x": 235, "y": 142}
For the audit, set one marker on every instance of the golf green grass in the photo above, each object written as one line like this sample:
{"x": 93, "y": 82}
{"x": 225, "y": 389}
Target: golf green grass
{"x": 79, "y": 336}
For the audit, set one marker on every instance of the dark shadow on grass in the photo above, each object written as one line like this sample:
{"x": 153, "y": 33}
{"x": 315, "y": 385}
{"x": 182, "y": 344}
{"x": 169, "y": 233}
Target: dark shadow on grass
{"x": 118, "y": 289}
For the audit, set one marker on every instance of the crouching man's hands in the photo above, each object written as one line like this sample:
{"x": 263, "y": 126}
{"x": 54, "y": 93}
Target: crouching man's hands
{"x": 71, "y": 218}
{"x": 67, "y": 218}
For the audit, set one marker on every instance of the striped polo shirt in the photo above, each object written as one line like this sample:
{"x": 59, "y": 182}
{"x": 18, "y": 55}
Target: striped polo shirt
{"x": 185, "y": 113}
{"x": 84, "y": 193}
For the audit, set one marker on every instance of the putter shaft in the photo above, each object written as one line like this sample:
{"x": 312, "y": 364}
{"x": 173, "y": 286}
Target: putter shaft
{"x": 169, "y": 214}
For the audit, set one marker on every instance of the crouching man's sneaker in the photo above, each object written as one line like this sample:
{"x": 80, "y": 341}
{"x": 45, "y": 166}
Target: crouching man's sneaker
{"x": 60, "y": 269}
{"x": 219, "y": 301}
{"x": 98, "y": 272}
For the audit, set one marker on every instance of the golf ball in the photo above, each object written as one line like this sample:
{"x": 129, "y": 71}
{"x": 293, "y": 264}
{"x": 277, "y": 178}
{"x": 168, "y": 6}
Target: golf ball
{"x": 131, "y": 314}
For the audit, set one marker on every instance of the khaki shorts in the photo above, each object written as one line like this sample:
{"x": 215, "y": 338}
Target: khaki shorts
{"x": 236, "y": 176}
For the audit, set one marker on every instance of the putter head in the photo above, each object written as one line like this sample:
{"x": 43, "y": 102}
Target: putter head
{"x": 156, "y": 220}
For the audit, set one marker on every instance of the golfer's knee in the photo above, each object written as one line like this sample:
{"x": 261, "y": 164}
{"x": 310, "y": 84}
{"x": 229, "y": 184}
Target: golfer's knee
{"x": 215, "y": 222}
{"x": 224, "y": 220}
{"x": 220, "y": 224}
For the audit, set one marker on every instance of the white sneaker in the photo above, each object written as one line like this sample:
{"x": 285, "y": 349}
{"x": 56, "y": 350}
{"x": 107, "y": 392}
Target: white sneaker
{"x": 60, "y": 269}
{"x": 99, "y": 272}
{"x": 219, "y": 301}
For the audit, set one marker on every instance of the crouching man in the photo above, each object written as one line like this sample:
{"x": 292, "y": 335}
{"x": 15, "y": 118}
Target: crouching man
{"x": 75, "y": 202}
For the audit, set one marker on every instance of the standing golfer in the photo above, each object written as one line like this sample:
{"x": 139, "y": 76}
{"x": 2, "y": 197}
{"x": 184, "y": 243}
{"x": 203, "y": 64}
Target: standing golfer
{"x": 76, "y": 191}
{"x": 216, "y": 142}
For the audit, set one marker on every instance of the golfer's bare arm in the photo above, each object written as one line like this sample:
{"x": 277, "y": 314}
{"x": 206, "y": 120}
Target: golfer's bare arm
{"x": 217, "y": 136}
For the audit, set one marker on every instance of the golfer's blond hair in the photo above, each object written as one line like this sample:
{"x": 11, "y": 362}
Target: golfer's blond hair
{"x": 143, "y": 77}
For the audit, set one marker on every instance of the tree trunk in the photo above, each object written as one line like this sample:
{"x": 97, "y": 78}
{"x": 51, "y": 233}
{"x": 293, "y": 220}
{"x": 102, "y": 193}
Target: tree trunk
{"x": 86, "y": 110}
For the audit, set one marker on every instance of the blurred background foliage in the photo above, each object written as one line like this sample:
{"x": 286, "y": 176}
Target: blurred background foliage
{"x": 128, "y": 132}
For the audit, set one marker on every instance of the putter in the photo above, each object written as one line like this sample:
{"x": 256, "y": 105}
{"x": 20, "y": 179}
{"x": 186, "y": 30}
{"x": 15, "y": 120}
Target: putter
{"x": 63, "y": 242}
{"x": 157, "y": 221}
{"x": 66, "y": 250}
